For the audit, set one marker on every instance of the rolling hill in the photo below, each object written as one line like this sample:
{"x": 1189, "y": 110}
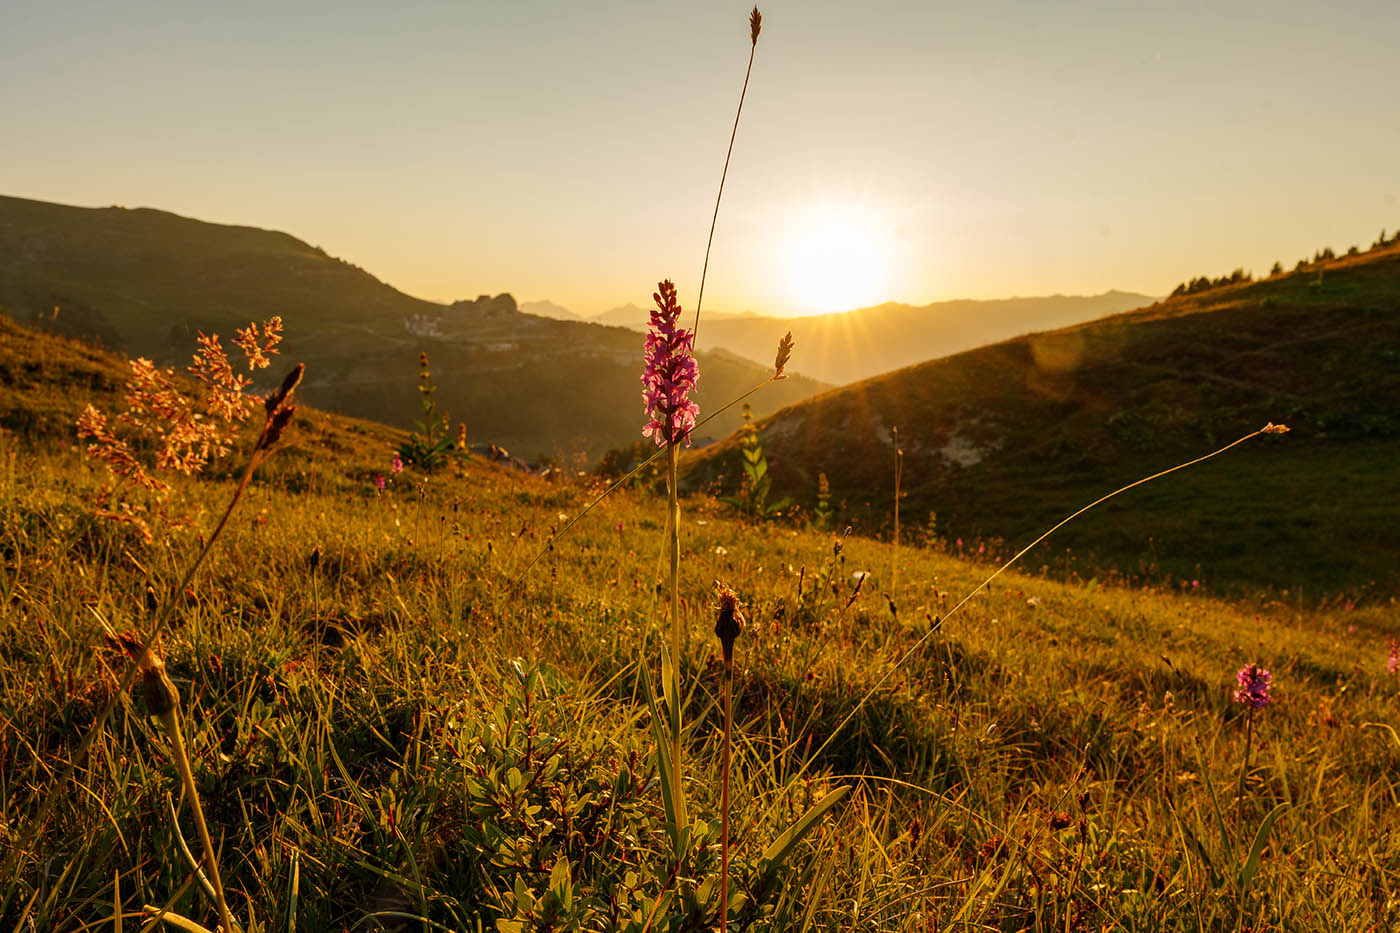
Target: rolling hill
{"x": 145, "y": 281}
{"x": 1002, "y": 441}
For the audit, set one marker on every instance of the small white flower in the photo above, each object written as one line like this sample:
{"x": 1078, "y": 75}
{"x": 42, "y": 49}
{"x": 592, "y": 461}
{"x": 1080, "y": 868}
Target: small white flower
{"x": 721, "y": 550}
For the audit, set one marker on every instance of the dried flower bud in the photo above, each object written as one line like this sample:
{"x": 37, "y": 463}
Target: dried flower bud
{"x": 1272, "y": 428}
{"x": 729, "y": 622}
{"x": 784, "y": 354}
{"x": 160, "y": 693}
{"x": 755, "y": 25}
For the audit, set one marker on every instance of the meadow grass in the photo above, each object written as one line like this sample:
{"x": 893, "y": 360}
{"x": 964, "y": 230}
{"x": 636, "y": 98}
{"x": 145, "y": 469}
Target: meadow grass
{"x": 400, "y": 729}
{"x": 448, "y": 722}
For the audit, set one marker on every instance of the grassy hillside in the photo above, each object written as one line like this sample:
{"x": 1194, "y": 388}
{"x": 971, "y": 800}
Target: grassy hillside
{"x": 145, "y": 281}
{"x": 1002, "y": 441}
{"x": 387, "y": 721}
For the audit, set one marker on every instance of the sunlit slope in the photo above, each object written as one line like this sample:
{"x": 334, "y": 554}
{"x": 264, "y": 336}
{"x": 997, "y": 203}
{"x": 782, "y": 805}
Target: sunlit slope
{"x": 145, "y": 281}
{"x": 852, "y": 345}
{"x": 1004, "y": 440}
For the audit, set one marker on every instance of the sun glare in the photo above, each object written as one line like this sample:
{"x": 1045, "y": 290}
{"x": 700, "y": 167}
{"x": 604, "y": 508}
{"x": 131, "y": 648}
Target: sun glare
{"x": 837, "y": 258}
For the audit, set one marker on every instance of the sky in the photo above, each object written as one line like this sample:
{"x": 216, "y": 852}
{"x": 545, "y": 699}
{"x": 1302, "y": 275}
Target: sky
{"x": 903, "y": 151}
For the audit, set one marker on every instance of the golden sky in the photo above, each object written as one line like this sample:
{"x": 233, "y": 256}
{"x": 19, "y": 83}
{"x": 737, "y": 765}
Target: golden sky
{"x": 908, "y": 151}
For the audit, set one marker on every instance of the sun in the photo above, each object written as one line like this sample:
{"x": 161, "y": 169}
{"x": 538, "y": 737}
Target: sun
{"x": 837, "y": 258}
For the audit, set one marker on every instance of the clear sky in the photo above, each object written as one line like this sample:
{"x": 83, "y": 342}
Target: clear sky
{"x": 909, "y": 151}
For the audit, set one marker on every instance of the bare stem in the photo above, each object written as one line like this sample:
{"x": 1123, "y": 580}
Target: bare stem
{"x": 171, "y": 721}
{"x": 700, "y": 297}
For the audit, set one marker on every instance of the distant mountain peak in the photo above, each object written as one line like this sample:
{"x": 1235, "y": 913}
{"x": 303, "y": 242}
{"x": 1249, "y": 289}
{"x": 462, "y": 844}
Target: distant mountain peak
{"x": 487, "y": 306}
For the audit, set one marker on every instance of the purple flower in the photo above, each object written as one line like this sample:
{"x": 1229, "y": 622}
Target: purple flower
{"x": 396, "y": 465}
{"x": 1393, "y": 664}
{"x": 1254, "y": 686}
{"x": 378, "y": 481}
{"x": 670, "y": 372}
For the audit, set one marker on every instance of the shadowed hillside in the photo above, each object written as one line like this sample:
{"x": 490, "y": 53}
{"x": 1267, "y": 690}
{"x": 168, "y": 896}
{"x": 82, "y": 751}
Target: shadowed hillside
{"x": 145, "y": 281}
{"x": 1004, "y": 440}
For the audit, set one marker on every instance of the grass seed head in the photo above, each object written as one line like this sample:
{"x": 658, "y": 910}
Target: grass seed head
{"x": 784, "y": 354}
{"x": 755, "y": 26}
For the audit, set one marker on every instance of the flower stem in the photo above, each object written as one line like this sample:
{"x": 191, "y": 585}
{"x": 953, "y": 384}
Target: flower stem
{"x": 672, "y": 478}
{"x": 724, "y": 805}
{"x": 1244, "y": 767}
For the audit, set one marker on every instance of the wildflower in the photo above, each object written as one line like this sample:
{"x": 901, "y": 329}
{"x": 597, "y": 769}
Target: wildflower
{"x": 378, "y": 481}
{"x": 1254, "y": 686}
{"x": 670, "y": 372}
{"x": 396, "y": 464}
{"x": 1393, "y": 664}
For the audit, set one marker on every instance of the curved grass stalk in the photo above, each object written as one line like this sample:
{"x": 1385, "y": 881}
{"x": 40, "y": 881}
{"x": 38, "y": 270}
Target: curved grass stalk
{"x": 1270, "y": 428}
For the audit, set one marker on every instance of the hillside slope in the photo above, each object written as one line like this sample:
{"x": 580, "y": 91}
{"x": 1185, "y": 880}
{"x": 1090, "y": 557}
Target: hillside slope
{"x": 1004, "y": 440}
{"x": 145, "y": 281}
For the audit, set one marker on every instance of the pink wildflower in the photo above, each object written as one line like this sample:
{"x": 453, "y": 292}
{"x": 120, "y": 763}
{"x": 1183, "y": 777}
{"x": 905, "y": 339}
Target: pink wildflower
{"x": 378, "y": 481}
{"x": 1254, "y": 684}
{"x": 670, "y": 372}
{"x": 396, "y": 465}
{"x": 1393, "y": 664}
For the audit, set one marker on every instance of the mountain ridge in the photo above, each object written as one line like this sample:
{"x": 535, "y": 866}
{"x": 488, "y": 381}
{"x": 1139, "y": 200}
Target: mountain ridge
{"x": 146, "y": 282}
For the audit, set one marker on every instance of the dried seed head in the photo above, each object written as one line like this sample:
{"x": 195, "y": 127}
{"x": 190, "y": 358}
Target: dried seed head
{"x": 289, "y": 384}
{"x": 755, "y": 25}
{"x": 277, "y": 424}
{"x": 729, "y": 622}
{"x": 784, "y": 354}
{"x": 1272, "y": 428}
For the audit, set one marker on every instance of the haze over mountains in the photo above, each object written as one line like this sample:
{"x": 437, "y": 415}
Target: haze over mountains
{"x": 145, "y": 282}
{"x": 1004, "y": 440}
{"x": 851, "y": 345}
